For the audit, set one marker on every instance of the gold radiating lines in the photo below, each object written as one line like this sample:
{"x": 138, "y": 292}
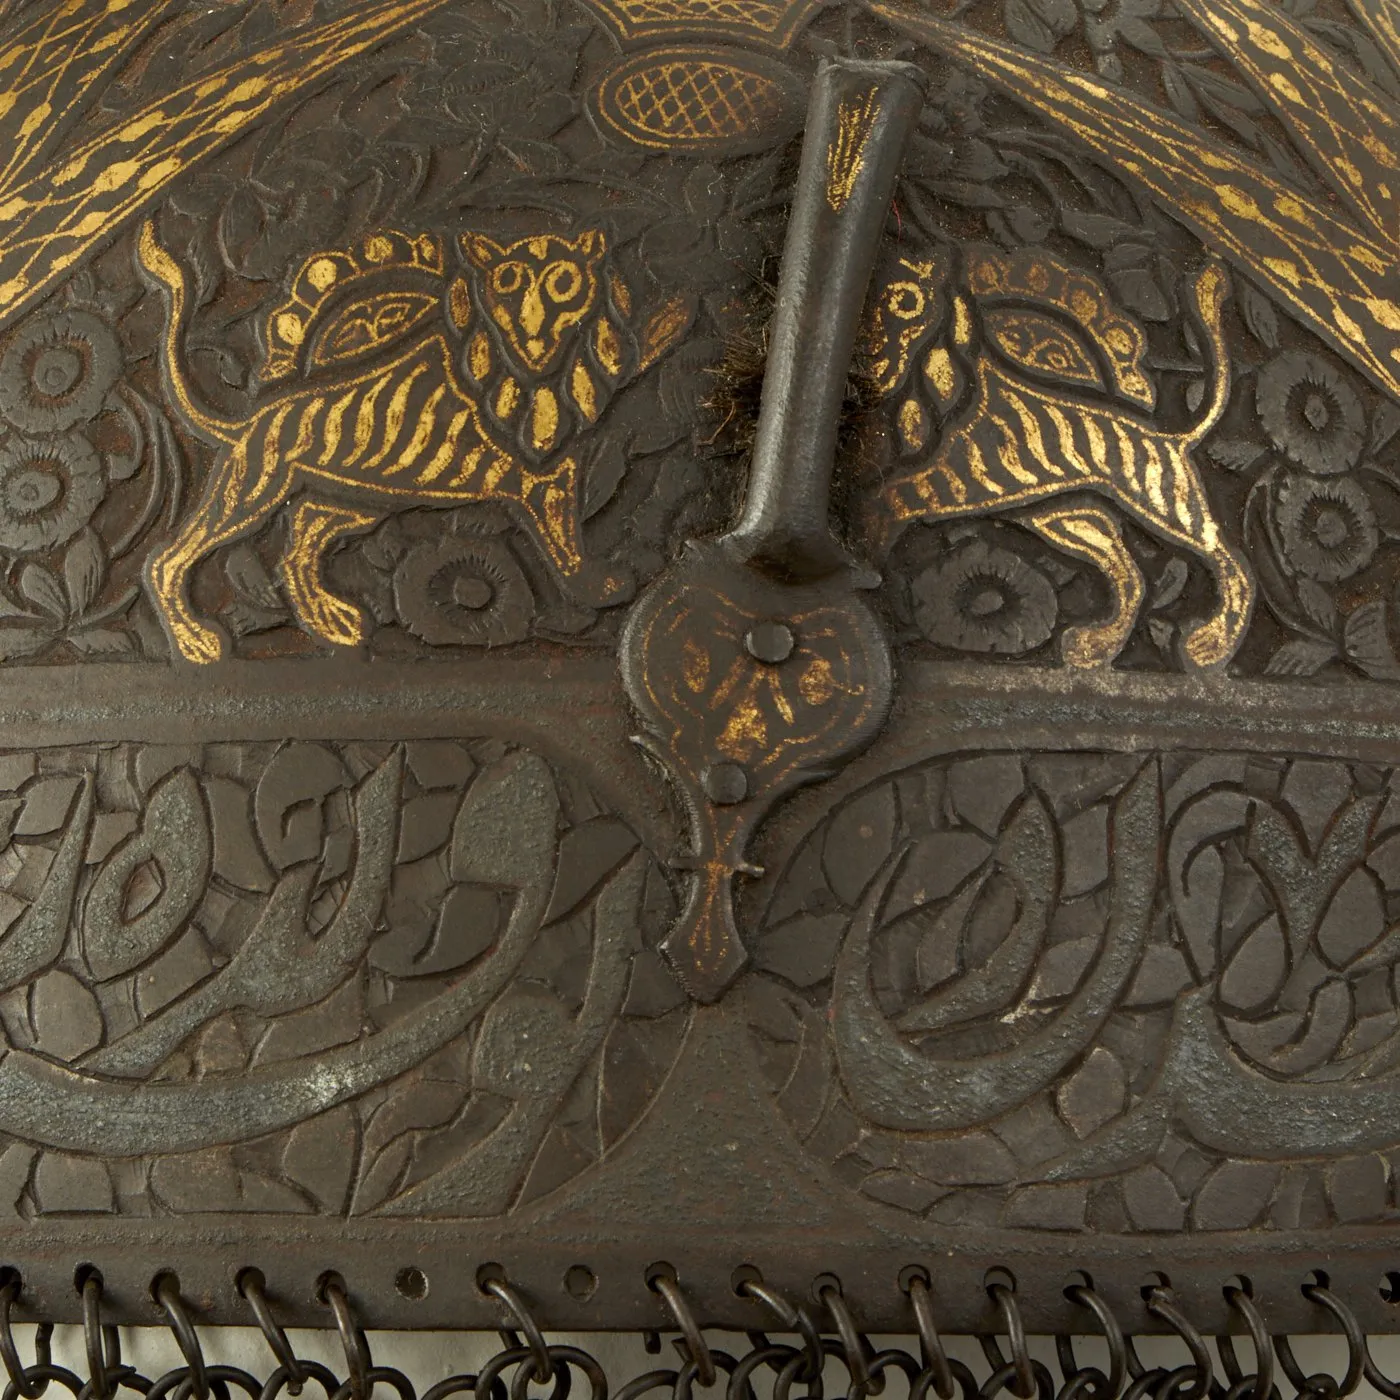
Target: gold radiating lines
{"x": 52, "y": 218}
{"x": 845, "y": 157}
{"x": 1334, "y": 271}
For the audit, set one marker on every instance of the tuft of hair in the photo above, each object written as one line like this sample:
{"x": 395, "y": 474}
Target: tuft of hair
{"x": 737, "y": 381}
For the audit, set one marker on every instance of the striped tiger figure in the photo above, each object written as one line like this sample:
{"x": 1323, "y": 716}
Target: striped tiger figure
{"x": 1020, "y": 367}
{"x": 418, "y": 388}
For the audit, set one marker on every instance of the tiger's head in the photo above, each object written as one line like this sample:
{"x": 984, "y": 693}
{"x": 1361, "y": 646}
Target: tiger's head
{"x": 537, "y": 291}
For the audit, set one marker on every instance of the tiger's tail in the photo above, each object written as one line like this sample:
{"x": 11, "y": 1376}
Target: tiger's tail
{"x": 169, "y": 276}
{"x": 1210, "y": 292}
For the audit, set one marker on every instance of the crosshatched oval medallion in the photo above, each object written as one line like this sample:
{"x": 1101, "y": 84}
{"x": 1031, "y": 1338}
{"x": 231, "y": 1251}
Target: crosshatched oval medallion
{"x": 694, "y": 99}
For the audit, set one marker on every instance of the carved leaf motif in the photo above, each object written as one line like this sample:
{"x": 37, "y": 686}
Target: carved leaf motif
{"x": 1300, "y": 657}
{"x": 802, "y": 948}
{"x": 420, "y": 1103}
{"x": 1259, "y": 314}
{"x": 41, "y": 588}
{"x": 588, "y": 854}
{"x": 970, "y": 1159}
{"x": 1027, "y": 27}
{"x": 518, "y": 1042}
{"x": 84, "y": 571}
{"x": 66, "y": 1018}
{"x": 1234, "y": 454}
{"x": 1094, "y": 1093}
{"x": 1234, "y": 1196}
{"x": 1359, "y": 1188}
{"x": 40, "y": 933}
{"x": 628, "y": 1078}
{"x": 47, "y": 804}
{"x": 69, "y": 1185}
{"x": 858, "y": 842}
{"x": 1329, "y": 1018}
{"x": 504, "y": 832}
{"x": 1152, "y": 1200}
{"x": 1354, "y": 920}
{"x": 170, "y": 856}
{"x": 289, "y": 802}
{"x": 1254, "y": 976}
{"x": 1366, "y": 636}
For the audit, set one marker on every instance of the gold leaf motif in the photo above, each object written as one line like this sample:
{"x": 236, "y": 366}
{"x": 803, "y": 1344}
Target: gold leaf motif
{"x": 664, "y": 330}
{"x": 1036, "y": 343}
{"x": 544, "y": 418}
{"x": 53, "y": 218}
{"x": 507, "y": 398}
{"x": 845, "y": 156}
{"x": 459, "y": 303}
{"x": 621, "y": 294}
{"x": 608, "y": 347}
{"x": 940, "y": 372}
{"x": 479, "y": 357}
{"x": 366, "y": 326}
{"x": 913, "y": 424}
{"x": 585, "y": 396}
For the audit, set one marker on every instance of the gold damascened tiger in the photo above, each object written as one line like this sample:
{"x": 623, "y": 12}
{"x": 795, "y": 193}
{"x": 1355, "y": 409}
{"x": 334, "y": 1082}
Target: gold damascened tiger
{"x": 420, "y": 376}
{"x": 1012, "y": 389}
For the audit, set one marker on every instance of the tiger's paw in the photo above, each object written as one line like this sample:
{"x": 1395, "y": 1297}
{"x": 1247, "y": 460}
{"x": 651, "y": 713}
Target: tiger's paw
{"x": 599, "y": 584}
{"x": 1091, "y": 648}
{"x": 333, "y": 620}
{"x": 196, "y": 643}
{"x": 1208, "y": 646}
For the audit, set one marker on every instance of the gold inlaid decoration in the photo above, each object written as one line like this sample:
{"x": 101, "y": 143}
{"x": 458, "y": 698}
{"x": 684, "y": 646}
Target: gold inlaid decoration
{"x": 1037, "y": 343}
{"x": 846, "y": 155}
{"x": 1091, "y": 533}
{"x": 370, "y": 325}
{"x": 1019, "y": 446}
{"x": 705, "y": 698}
{"x": 507, "y": 399}
{"x": 1331, "y": 261}
{"x": 701, "y": 681}
{"x": 942, "y": 374}
{"x": 913, "y": 425}
{"x": 367, "y": 324}
{"x": 537, "y": 289}
{"x": 315, "y": 527}
{"x": 55, "y": 210}
{"x": 698, "y": 99}
{"x": 400, "y": 406}
{"x": 664, "y": 329}
{"x": 1040, "y": 276}
{"x": 607, "y": 346}
{"x": 905, "y": 306}
{"x": 544, "y": 419}
{"x": 772, "y": 23}
{"x": 459, "y": 303}
{"x": 585, "y": 396}
{"x": 479, "y": 357}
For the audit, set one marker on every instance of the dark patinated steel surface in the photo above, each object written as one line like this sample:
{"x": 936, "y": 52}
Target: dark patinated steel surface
{"x": 962, "y": 451}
